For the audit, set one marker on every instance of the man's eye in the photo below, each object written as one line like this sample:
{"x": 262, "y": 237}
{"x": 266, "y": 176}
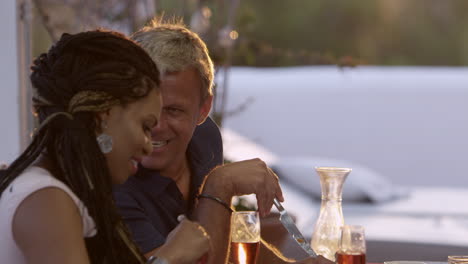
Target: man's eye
{"x": 173, "y": 110}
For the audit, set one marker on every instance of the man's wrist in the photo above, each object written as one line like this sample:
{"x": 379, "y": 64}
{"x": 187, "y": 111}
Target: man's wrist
{"x": 216, "y": 185}
{"x": 216, "y": 199}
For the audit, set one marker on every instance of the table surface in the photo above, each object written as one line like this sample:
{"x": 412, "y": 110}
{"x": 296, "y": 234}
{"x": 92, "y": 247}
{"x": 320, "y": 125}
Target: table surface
{"x": 279, "y": 240}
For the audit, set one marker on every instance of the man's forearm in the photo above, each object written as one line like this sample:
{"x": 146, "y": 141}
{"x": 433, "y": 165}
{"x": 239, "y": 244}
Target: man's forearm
{"x": 215, "y": 217}
{"x": 216, "y": 220}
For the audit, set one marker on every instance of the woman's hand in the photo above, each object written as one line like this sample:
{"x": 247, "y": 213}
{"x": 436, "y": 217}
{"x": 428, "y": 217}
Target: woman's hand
{"x": 186, "y": 244}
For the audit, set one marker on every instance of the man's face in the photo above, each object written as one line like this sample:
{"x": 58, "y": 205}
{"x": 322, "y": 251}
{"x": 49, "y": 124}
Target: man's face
{"x": 182, "y": 112}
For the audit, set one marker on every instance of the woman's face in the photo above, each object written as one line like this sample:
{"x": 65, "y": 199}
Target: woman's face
{"x": 130, "y": 129}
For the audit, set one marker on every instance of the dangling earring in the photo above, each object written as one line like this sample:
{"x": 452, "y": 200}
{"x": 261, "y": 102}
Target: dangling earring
{"x": 104, "y": 141}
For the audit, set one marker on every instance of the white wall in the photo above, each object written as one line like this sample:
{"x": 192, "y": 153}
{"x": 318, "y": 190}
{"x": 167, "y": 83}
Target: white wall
{"x": 408, "y": 123}
{"x": 9, "y": 109}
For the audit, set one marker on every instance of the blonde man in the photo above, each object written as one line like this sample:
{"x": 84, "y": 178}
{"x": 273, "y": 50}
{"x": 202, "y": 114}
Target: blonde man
{"x": 187, "y": 152}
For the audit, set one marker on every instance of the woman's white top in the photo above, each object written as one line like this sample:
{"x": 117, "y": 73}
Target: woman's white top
{"x": 31, "y": 180}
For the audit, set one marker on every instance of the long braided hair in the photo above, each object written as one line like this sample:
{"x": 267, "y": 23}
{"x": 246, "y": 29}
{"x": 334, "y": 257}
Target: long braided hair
{"x": 81, "y": 75}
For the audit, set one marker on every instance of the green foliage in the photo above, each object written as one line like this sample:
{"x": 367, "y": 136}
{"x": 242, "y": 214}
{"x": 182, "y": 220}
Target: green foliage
{"x": 243, "y": 204}
{"x": 310, "y": 32}
{"x": 385, "y": 32}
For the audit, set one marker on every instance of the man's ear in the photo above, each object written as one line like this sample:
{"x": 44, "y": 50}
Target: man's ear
{"x": 205, "y": 109}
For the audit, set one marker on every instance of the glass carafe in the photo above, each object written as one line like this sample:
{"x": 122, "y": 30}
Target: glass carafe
{"x": 327, "y": 232}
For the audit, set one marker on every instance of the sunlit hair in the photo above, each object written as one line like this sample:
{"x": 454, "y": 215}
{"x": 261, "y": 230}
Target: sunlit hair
{"x": 104, "y": 69}
{"x": 175, "y": 48}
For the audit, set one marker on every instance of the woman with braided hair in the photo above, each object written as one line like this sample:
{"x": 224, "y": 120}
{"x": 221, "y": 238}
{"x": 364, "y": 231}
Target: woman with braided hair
{"x": 96, "y": 97}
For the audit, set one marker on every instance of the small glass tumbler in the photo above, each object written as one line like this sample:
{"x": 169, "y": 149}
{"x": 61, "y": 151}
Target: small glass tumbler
{"x": 245, "y": 237}
{"x": 457, "y": 259}
{"x": 352, "y": 248}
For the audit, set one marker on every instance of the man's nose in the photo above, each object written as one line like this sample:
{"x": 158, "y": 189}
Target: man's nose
{"x": 161, "y": 125}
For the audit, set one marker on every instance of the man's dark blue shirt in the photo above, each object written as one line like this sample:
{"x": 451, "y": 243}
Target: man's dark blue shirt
{"x": 150, "y": 203}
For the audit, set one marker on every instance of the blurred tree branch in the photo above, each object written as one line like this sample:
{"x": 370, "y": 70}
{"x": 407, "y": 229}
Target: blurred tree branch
{"x": 229, "y": 29}
{"x": 71, "y": 16}
{"x": 45, "y": 19}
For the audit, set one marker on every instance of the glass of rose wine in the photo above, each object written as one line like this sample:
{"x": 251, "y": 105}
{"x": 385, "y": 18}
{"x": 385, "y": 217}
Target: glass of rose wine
{"x": 245, "y": 237}
{"x": 352, "y": 248}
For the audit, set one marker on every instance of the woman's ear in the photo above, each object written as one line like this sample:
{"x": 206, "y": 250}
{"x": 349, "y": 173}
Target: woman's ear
{"x": 101, "y": 120}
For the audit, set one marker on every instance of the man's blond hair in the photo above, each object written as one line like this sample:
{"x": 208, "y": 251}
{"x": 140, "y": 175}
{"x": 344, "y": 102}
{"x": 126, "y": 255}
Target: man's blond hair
{"x": 175, "y": 48}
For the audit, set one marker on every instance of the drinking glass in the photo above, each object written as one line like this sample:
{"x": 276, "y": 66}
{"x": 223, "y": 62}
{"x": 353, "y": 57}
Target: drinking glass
{"x": 352, "y": 248}
{"x": 245, "y": 237}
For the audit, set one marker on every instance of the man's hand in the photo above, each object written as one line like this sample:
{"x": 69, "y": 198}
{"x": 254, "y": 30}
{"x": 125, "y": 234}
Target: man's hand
{"x": 245, "y": 177}
{"x": 238, "y": 178}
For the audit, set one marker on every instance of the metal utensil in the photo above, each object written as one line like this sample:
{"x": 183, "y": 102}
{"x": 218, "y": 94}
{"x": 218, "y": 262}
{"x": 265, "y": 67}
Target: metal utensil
{"x": 288, "y": 223}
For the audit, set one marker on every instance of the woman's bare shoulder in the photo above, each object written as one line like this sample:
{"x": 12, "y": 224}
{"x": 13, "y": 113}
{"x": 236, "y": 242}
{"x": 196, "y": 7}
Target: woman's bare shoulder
{"x": 48, "y": 225}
